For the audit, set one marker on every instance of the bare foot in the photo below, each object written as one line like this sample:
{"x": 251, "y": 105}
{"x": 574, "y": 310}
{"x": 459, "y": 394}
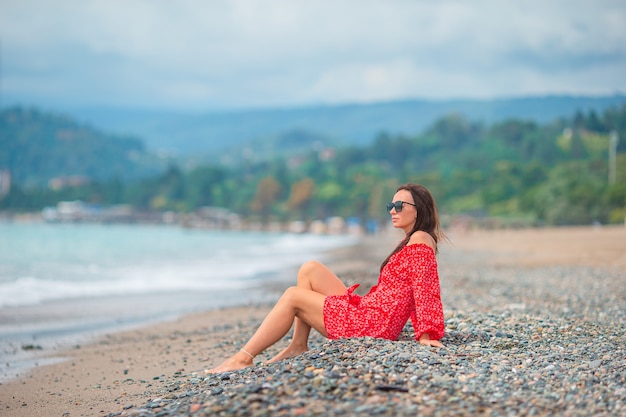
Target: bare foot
{"x": 234, "y": 363}
{"x": 288, "y": 352}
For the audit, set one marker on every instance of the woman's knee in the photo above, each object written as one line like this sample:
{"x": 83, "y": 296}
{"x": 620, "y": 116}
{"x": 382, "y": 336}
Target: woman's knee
{"x": 290, "y": 295}
{"x": 308, "y": 268}
{"x": 292, "y": 299}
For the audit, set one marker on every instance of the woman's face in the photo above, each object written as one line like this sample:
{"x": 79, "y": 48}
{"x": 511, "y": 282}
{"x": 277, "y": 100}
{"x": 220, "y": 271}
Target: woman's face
{"x": 405, "y": 219}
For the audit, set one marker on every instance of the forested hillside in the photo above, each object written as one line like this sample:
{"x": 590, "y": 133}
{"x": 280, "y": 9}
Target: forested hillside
{"x": 517, "y": 171}
{"x": 37, "y": 147}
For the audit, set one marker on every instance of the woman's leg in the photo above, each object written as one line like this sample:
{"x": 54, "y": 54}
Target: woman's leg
{"x": 304, "y": 304}
{"x": 313, "y": 276}
{"x": 295, "y": 302}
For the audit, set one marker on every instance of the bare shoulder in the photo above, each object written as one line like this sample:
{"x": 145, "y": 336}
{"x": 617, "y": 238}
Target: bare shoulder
{"x": 422, "y": 237}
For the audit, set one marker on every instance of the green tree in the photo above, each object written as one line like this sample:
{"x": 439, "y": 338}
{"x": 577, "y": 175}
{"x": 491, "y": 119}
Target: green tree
{"x": 206, "y": 186}
{"x": 328, "y": 198}
{"x": 572, "y": 195}
{"x": 454, "y": 132}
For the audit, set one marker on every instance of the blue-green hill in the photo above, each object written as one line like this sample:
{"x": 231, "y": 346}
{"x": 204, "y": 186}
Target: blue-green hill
{"x": 211, "y": 133}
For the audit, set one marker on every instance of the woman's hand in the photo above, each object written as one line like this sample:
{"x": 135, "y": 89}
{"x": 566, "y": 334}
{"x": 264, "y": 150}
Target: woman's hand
{"x": 425, "y": 340}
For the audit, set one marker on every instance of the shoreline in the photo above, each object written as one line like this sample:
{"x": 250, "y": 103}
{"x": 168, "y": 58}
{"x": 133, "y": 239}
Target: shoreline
{"x": 56, "y": 356}
{"x": 519, "y": 275}
{"x": 30, "y": 332}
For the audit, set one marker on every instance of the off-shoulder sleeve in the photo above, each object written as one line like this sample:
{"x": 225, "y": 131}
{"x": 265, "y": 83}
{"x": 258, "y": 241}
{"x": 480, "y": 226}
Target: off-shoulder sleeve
{"x": 428, "y": 315}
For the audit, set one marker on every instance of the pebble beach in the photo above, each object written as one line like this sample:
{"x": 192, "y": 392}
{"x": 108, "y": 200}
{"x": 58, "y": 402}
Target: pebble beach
{"x": 535, "y": 325}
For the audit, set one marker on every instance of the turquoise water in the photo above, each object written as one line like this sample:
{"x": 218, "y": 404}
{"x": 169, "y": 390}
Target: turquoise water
{"x": 63, "y": 283}
{"x": 44, "y": 262}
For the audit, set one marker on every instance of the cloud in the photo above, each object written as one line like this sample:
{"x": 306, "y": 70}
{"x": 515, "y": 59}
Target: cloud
{"x": 245, "y": 53}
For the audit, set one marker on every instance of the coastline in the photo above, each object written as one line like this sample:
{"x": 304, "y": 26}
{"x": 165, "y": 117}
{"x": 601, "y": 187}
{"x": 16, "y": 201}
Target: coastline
{"x": 486, "y": 276}
{"x": 28, "y": 379}
{"x": 133, "y": 285}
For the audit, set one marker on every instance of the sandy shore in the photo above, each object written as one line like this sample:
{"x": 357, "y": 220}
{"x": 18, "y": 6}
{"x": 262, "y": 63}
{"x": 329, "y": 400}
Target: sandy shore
{"x": 603, "y": 247}
{"x": 124, "y": 370}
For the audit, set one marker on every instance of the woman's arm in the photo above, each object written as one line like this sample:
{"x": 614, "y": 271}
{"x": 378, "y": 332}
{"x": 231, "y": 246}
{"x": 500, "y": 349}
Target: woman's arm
{"x": 428, "y": 321}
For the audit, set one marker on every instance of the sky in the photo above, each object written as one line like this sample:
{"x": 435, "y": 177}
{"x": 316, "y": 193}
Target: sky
{"x": 236, "y": 54}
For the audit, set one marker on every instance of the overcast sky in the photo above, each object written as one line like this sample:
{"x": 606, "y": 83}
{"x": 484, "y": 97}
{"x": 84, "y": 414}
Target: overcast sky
{"x": 218, "y": 54}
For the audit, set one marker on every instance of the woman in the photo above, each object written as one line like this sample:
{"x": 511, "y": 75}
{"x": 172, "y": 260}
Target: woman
{"x": 408, "y": 287}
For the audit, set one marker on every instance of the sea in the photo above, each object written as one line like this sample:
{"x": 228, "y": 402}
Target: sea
{"x": 64, "y": 284}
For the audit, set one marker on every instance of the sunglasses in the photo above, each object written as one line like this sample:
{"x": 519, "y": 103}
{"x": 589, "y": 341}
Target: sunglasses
{"x": 398, "y": 205}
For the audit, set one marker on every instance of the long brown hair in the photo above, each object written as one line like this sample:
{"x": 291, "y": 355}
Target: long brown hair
{"x": 427, "y": 217}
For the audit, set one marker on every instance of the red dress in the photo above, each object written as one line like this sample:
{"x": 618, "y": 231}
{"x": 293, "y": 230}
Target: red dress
{"x": 408, "y": 286}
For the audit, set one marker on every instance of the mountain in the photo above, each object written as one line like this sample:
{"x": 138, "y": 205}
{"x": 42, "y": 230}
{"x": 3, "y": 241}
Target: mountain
{"x": 41, "y": 148}
{"x": 355, "y": 124}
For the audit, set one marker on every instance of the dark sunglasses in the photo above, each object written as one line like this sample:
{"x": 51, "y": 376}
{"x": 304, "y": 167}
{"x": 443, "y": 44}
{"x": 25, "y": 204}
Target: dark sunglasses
{"x": 398, "y": 205}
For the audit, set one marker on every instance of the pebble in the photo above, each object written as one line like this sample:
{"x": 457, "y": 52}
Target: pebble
{"x": 536, "y": 342}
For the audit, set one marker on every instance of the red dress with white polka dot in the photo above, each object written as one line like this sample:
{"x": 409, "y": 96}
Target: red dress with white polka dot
{"x": 408, "y": 286}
